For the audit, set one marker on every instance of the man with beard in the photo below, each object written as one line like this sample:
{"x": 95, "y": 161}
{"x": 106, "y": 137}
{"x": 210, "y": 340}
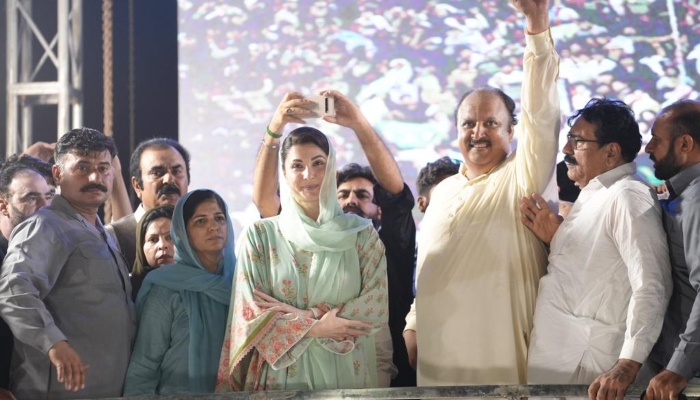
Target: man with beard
{"x": 478, "y": 267}
{"x": 64, "y": 288}
{"x": 379, "y": 194}
{"x": 675, "y": 149}
{"x": 600, "y": 307}
{"x": 160, "y": 175}
{"x": 23, "y": 190}
{"x": 359, "y": 193}
{"x": 40, "y": 166}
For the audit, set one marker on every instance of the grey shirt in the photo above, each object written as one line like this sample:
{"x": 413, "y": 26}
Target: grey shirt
{"x": 678, "y": 346}
{"x": 64, "y": 279}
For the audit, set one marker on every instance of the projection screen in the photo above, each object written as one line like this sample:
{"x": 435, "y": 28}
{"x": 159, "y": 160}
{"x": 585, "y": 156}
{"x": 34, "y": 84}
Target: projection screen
{"x": 406, "y": 63}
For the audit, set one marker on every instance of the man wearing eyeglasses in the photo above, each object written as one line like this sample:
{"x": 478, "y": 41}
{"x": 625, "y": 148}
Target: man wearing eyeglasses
{"x": 600, "y": 307}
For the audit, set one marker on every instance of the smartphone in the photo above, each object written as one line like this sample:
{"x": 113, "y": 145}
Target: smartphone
{"x": 322, "y": 106}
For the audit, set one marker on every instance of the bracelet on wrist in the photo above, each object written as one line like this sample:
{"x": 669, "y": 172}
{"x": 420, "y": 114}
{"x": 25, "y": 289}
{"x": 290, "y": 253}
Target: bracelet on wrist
{"x": 270, "y": 146}
{"x": 273, "y": 134}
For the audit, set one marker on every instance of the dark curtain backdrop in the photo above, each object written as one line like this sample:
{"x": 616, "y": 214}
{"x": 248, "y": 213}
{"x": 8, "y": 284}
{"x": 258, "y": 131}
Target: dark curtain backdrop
{"x": 156, "y": 79}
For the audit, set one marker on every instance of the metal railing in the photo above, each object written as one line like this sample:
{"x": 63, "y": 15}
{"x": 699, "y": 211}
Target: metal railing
{"x": 510, "y": 392}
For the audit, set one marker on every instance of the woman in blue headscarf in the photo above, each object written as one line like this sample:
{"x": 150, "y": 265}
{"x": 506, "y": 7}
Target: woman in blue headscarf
{"x": 183, "y": 307}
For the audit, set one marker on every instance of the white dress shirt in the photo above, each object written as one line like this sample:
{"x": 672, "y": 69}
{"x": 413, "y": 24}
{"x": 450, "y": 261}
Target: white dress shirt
{"x": 607, "y": 285}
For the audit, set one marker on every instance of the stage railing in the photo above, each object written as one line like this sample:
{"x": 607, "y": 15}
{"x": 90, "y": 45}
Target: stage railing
{"x": 510, "y": 392}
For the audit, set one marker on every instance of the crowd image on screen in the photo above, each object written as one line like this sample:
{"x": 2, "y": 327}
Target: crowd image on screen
{"x": 406, "y": 63}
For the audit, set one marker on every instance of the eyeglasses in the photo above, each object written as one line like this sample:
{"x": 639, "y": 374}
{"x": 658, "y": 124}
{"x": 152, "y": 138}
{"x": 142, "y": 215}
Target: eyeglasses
{"x": 574, "y": 141}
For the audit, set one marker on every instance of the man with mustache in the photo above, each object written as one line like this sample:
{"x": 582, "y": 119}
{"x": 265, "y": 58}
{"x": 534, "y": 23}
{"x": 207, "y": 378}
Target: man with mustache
{"x": 360, "y": 193}
{"x": 600, "y": 307}
{"x": 478, "y": 267}
{"x": 64, "y": 288}
{"x": 160, "y": 175}
{"x": 377, "y": 193}
{"x": 675, "y": 149}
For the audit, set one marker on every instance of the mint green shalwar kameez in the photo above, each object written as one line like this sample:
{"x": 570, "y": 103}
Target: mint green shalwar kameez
{"x": 310, "y": 265}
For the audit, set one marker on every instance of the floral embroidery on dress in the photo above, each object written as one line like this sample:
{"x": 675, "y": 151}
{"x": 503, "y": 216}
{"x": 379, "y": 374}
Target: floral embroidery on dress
{"x": 290, "y": 292}
{"x": 244, "y": 277}
{"x": 255, "y": 255}
{"x": 265, "y": 349}
{"x": 248, "y": 313}
{"x": 289, "y": 330}
{"x": 324, "y": 308}
{"x": 260, "y": 229}
{"x": 292, "y": 370}
{"x": 303, "y": 268}
{"x": 274, "y": 257}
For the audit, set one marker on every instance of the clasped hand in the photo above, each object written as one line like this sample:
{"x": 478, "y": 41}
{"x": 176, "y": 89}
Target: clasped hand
{"x": 268, "y": 303}
{"x": 329, "y": 326}
{"x": 338, "y": 328}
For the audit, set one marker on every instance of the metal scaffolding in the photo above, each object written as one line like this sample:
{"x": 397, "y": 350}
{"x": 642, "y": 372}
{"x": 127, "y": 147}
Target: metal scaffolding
{"x": 64, "y": 51}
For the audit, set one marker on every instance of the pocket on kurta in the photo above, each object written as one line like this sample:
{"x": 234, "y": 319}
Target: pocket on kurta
{"x": 99, "y": 267}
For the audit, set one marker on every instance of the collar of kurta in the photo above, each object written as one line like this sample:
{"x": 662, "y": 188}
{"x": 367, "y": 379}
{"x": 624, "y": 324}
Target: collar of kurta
{"x": 463, "y": 169}
{"x": 606, "y": 179}
{"x": 60, "y": 204}
{"x": 679, "y": 182}
{"x": 139, "y": 213}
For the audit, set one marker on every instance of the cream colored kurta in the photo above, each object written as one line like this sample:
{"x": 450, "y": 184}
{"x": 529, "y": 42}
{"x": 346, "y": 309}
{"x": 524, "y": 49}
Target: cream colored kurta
{"x": 478, "y": 266}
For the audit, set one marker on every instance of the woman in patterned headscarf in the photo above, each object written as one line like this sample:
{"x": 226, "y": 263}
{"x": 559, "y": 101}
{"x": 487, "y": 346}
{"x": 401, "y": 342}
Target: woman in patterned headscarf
{"x": 310, "y": 286}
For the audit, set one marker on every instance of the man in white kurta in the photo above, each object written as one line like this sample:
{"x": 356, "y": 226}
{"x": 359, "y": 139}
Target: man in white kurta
{"x": 607, "y": 284}
{"x": 478, "y": 266}
{"x": 601, "y": 305}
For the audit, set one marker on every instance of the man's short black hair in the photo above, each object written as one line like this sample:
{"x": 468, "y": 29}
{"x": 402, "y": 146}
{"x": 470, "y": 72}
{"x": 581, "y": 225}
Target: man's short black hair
{"x": 155, "y": 143}
{"x": 352, "y": 171}
{"x": 685, "y": 118}
{"x": 435, "y": 171}
{"x": 37, "y": 164}
{"x": 9, "y": 169}
{"x": 507, "y": 101}
{"x": 615, "y": 123}
{"x": 83, "y": 141}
